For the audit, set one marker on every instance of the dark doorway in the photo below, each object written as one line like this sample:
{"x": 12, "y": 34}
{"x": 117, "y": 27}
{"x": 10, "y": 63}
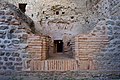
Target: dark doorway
{"x": 22, "y": 7}
{"x": 58, "y": 45}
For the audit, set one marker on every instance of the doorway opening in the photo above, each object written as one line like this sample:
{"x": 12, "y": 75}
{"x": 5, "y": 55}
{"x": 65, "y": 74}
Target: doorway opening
{"x": 22, "y": 7}
{"x": 58, "y": 51}
{"x": 58, "y": 46}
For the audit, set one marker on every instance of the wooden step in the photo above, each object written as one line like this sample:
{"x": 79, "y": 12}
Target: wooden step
{"x": 54, "y": 65}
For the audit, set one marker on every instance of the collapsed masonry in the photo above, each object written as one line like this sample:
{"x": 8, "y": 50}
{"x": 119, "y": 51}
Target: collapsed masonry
{"x": 91, "y": 37}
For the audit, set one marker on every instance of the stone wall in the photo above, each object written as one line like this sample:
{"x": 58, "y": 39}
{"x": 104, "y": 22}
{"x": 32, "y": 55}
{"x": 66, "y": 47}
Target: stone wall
{"x": 114, "y": 7}
{"x": 17, "y": 39}
{"x": 64, "y": 19}
{"x": 87, "y": 46}
{"x": 96, "y": 25}
{"x": 109, "y": 56}
{"x": 13, "y": 41}
{"x": 100, "y": 48}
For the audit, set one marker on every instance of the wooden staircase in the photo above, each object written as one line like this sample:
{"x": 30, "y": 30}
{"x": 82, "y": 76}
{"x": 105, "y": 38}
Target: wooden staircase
{"x": 54, "y": 65}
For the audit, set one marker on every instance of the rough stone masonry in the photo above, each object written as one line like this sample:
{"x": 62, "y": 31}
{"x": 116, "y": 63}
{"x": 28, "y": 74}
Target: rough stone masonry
{"x": 90, "y": 26}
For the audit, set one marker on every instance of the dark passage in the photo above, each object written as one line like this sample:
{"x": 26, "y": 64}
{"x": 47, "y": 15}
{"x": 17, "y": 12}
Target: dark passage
{"x": 22, "y": 7}
{"x": 58, "y": 45}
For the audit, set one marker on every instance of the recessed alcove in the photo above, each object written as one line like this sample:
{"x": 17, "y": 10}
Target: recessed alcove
{"x": 22, "y": 7}
{"x": 59, "y": 51}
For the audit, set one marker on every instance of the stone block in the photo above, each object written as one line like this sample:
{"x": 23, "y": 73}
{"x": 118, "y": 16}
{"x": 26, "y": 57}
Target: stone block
{"x": 2, "y": 46}
{"x": 4, "y": 67}
{"x": 2, "y": 34}
{"x": 11, "y": 59}
{"x": 9, "y": 18}
{"x": 116, "y": 28}
{"x": 9, "y": 36}
{"x": 113, "y": 17}
{"x": 119, "y": 17}
{"x": 2, "y": 53}
{"x": 1, "y": 63}
{"x": 110, "y": 23}
{"x": 0, "y": 58}
{"x": 4, "y": 27}
{"x": 7, "y": 41}
{"x": 2, "y": 17}
{"x": 110, "y": 38}
{"x": 118, "y": 23}
{"x": 19, "y": 59}
{"x": 110, "y": 33}
{"x": 7, "y": 54}
{"x": 18, "y": 64}
{"x": 14, "y": 54}
{"x": 2, "y": 12}
{"x": 112, "y": 50}
{"x": 9, "y": 13}
{"x": 5, "y": 58}
{"x": 9, "y": 63}
{"x": 15, "y": 41}
{"x": 11, "y": 67}
{"x": 19, "y": 68}
{"x": 109, "y": 27}
{"x": 2, "y": 20}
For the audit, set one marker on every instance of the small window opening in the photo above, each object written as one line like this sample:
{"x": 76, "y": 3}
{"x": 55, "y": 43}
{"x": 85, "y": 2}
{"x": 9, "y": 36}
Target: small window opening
{"x": 46, "y": 17}
{"x": 72, "y": 17}
{"x": 58, "y": 45}
{"x": 63, "y": 12}
{"x": 57, "y": 13}
{"x": 22, "y": 7}
{"x": 32, "y": 15}
{"x": 43, "y": 12}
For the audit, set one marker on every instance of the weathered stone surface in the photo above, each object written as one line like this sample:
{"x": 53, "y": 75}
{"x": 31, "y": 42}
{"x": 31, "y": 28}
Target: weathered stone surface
{"x": 15, "y": 54}
{"x": 19, "y": 68}
{"x": 8, "y": 54}
{"x": 11, "y": 67}
{"x": 15, "y": 41}
{"x": 18, "y": 64}
{"x": 2, "y": 46}
{"x": 118, "y": 23}
{"x": 12, "y": 59}
{"x": 110, "y": 23}
{"x": 0, "y": 58}
{"x": 2, "y": 53}
{"x": 2, "y": 34}
{"x": 113, "y": 18}
{"x": 9, "y": 36}
{"x": 1, "y": 63}
{"x": 9, "y": 63}
{"x": 97, "y": 48}
{"x": 7, "y": 41}
{"x": 2, "y": 12}
{"x": 4, "y": 67}
{"x": 5, "y": 58}
{"x": 18, "y": 59}
{"x": 3, "y": 27}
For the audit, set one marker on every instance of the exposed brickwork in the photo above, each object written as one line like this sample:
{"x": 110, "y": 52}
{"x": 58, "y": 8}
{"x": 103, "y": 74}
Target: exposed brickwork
{"x": 38, "y": 47}
{"x": 13, "y": 41}
{"x": 87, "y": 46}
{"x": 97, "y": 47}
{"x": 54, "y": 65}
